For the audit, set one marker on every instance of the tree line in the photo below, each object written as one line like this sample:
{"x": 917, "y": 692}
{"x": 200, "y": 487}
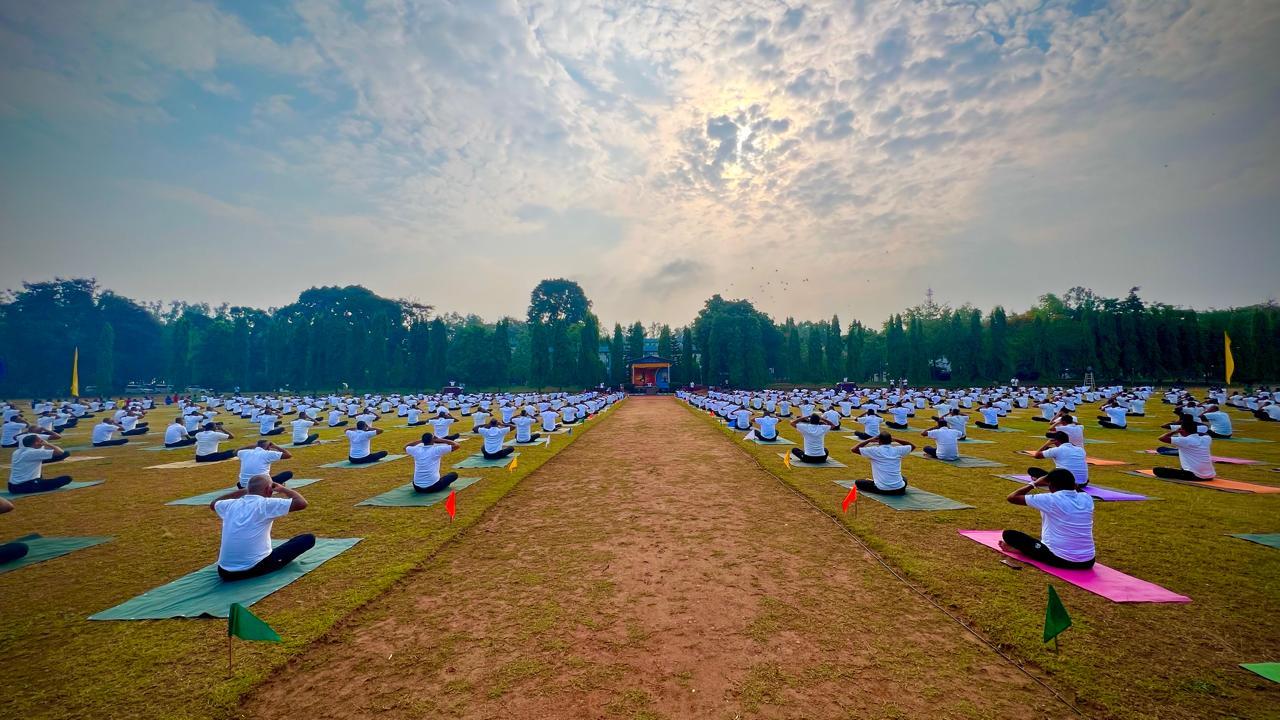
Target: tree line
{"x": 335, "y": 338}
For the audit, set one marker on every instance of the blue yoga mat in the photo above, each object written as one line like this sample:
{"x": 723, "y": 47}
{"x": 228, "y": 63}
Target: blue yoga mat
{"x": 479, "y": 461}
{"x": 206, "y": 498}
{"x": 406, "y": 496}
{"x": 40, "y": 549}
{"x": 69, "y": 486}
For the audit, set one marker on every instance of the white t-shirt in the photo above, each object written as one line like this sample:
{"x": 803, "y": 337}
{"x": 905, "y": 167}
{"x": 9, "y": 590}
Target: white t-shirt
{"x": 870, "y": 424}
{"x": 102, "y": 432}
{"x": 207, "y": 441}
{"x": 10, "y": 432}
{"x": 946, "y": 439}
{"x": 768, "y": 427}
{"x": 256, "y": 461}
{"x": 176, "y": 432}
{"x": 426, "y": 462}
{"x": 440, "y": 425}
{"x": 742, "y": 419}
{"x": 814, "y": 444}
{"x": 1070, "y": 457}
{"x": 492, "y": 438}
{"x": 1066, "y": 523}
{"x": 1075, "y": 433}
{"x": 359, "y": 440}
{"x": 1219, "y": 422}
{"x": 27, "y": 464}
{"x": 886, "y": 464}
{"x": 246, "y": 529}
{"x": 523, "y": 425}
{"x": 300, "y": 428}
{"x": 1194, "y": 454}
{"x": 335, "y": 417}
{"x": 266, "y": 423}
{"x": 990, "y": 415}
{"x": 549, "y": 418}
{"x": 1118, "y": 417}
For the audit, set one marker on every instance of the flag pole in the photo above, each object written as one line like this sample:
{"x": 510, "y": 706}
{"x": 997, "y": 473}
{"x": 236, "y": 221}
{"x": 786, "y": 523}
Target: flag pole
{"x": 228, "y": 653}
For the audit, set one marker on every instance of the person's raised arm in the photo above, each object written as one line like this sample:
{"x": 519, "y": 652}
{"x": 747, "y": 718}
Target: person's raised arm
{"x": 857, "y": 449}
{"x": 1040, "y": 453}
{"x": 796, "y": 422}
{"x": 1019, "y": 496}
{"x": 284, "y": 454}
{"x": 908, "y": 443}
{"x": 446, "y": 441}
{"x": 1168, "y": 437}
{"x": 229, "y": 496}
{"x": 297, "y": 502}
{"x": 377, "y": 431}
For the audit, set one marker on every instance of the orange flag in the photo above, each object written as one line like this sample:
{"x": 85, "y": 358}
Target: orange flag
{"x": 514, "y": 461}
{"x": 786, "y": 460}
{"x": 849, "y": 499}
{"x": 451, "y": 505}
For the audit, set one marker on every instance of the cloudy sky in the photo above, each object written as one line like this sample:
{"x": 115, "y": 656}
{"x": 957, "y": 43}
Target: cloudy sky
{"x": 814, "y": 157}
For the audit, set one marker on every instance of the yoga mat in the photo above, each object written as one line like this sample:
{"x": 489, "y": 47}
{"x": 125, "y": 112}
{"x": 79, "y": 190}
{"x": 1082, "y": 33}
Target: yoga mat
{"x": 204, "y": 594}
{"x": 976, "y": 441}
{"x": 1101, "y": 493}
{"x": 1100, "y": 579}
{"x": 406, "y": 496}
{"x": 48, "y": 548}
{"x": 69, "y": 486}
{"x": 1245, "y": 440}
{"x": 310, "y": 444}
{"x": 72, "y": 459}
{"x": 1215, "y": 484}
{"x": 1268, "y": 670}
{"x": 162, "y": 448}
{"x": 795, "y": 463}
{"x": 965, "y": 461}
{"x": 1268, "y": 539}
{"x": 914, "y": 499}
{"x": 479, "y": 461}
{"x": 540, "y": 441}
{"x": 206, "y": 498}
{"x": 185, "y": 464}
{"x": 999, "y": 429}
{"x": 1090, "y": 460}
{"x": 1216, "y": 458}
{"x": 349, "y": 464}
{"x": 780, "y": 441}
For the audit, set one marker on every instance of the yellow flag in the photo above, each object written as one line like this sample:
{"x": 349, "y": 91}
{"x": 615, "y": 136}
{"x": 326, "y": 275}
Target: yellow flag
{"x": 75, "y": 374}
{"x": 786, "y": 459}
{"x": 1231, "y": 362}
{"x": 514, "y": 461}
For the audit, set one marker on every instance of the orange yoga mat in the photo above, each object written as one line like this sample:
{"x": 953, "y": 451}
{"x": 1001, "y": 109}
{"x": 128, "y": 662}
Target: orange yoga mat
{"x": 1091, "y": 460}
{"x": 1217, "y": 484}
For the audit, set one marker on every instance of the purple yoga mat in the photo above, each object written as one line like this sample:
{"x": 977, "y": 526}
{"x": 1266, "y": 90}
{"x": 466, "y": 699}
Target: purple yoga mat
{"x": 1104, "y": 494}
{"x": 1216, "y": 458}
{"x": 1099, "y": 580}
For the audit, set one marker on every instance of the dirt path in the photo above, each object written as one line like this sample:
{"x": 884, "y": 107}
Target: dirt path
{"x": 651, "y": 570}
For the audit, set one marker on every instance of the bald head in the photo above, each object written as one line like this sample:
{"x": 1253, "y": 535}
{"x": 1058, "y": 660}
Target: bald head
{"x": 260, "y": 485}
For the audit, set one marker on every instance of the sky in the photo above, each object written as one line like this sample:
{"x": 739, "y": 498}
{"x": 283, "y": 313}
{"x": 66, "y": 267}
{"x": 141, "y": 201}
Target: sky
{"x": 812, "y": 157}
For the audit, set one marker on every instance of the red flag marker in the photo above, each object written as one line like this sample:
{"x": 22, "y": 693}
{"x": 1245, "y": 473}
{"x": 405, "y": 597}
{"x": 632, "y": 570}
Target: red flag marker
{"x": 849, "y": 499}
{"x": 451, "y": 505}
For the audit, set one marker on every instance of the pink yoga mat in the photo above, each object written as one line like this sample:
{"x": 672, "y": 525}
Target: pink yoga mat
{"x": 1102, "y": 493}
{"x": 1100, "y": 579}
{"x": 1216, "y": 458}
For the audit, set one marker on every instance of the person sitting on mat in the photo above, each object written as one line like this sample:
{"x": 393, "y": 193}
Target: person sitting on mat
{"x": 300, "y": 428}
{"x": 441, "y": 422}
{"x": 1116, "y": 417}
{"x": 426, "y": 454}
{"x": 493, "y": 434}
{"x": 886, "y": 464}
{"x": 1067, "y": 423}
{"x": 13, "y": 427}
{"x": 207, "y": 441}
{"x": 26, "y": 465}
{"x": 990, "y": 417}
{"x": 813, "y": 430}
{"x": 269, "y": 424}
{"x": 1066, "y": 523}
{"x": 767, "y": 427}
{"x": 1219, "y": 422}
{"x": 256, "y": 460}
{"x": 947, "y": 439}
{"x": 360, "y": 437}
{"x": 335, "y": 419}
{"x": 176, "y": 436}
{"x": 1064, "y": 455}
{"x": 102, "y": 434}
{"x": 247, "y": 516}
{"x": 14, "y": 550}
{"x": 1194, "y": 453}
{"x": 523, "y": 424}
{"x": 413, "y": 416}
{"x": 870, "y": 424}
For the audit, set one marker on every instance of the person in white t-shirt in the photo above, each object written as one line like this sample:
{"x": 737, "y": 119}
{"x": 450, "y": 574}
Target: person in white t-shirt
{"x": 426, "y": 454}
{"x": 1115, "y": 418}
{"x": 742, "y": 419}
{"x": 269, "y": 424}
{"x": 886, "y": 464}
{"x": 767, "y": 427}
{"x": 440, "y": 424}
{"x": 360, "y": 437}
{"x": 493, "y": 433}
{"x": 1219, "y": 422}
{"x": 207, "y": 442}
{"x": 550, "y": 420}
{"x": 523, "y": 425}
{"x": 335, "y": 419}
{"x": 13, "y": 550}
{"x": 176, "y": 436}
{"x": 1066, "y": 523}
{"x": 413, "y": 416}
{"x": 947, "y": 439}
{"x": 870, "y": 424}
{"x": 990, "y": 417}
{"x": 257, "y": 459}
{"x": 1065, "y": 455}
{"x": 813, "y": 429}
{"x": 1067, "y": 423}
{"x": 101, "y": 435}
{"x": 1195, "y": 453}
{"x": 26, "y": 466}
{"x": 301, "y": 427}
{"x": 247, "y": 516}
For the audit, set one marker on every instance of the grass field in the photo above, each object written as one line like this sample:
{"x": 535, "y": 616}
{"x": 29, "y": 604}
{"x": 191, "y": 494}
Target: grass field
{"x": 1118, "y": 660}
{"x": 73, "y": 667}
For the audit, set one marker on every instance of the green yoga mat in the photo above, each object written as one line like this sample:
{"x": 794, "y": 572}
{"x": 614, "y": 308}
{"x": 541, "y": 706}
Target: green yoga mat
{"x": 999, "y": 429}
{"x": 976, "y": 441}
{"x": 1268, "y": 539}
{"x": 180, "y": 464}
{"x": 406, "y": 496}
{"x": 544, "y": 440}
{"x": 1245, "y": 440}
{"x": 479, "y": 461}
{"x": 780, "y": 441}
{"x": 1268, "y": 670}
{"x": 48, "y": 548}
{"x": 349, "y": 464}
{"x": 162, "y": 448}
{"x": 965, "y": 461}
{"x": 204, "y": 594}
{"x": 209, "y": 497}
{"x": 914, "y": 499}
{"x": 69, "y": 486}
{"x": 797, "y": 463}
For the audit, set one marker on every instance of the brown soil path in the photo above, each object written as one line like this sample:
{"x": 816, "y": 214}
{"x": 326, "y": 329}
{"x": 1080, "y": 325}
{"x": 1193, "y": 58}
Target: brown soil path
{"x": 651, "y": 570}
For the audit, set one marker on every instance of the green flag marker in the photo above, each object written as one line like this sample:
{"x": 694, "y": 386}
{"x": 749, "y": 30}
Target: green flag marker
{"x": 245, "y": 625}
{"x": 1056, "y": 618}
